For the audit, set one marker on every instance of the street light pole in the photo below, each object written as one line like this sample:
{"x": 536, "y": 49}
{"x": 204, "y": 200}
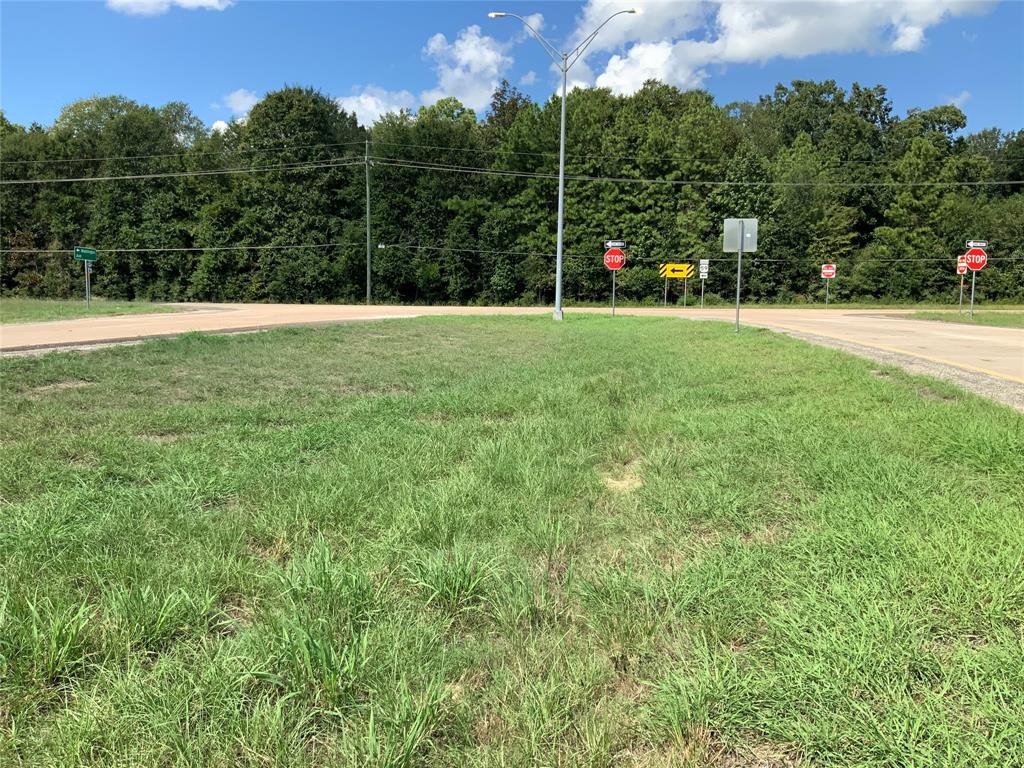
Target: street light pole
{"x": 564, "y": 62}
{"x": 561, "y": 197}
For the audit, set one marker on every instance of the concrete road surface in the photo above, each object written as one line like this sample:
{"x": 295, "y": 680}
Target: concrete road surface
{"x": 979, "y": 353}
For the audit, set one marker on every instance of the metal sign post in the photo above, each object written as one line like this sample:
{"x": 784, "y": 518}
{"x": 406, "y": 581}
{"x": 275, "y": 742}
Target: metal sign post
{"x": 973, "y": 276}
{"x": 704, "y": 264}
{"x": 740, "y": 236}
{"x": 87, "y": 256}
{"x": 702, "y": 293}
{"x": 828, "y": 271}
{"x": 739, "y": 276}
{"x": 615, "y": 260}
{"x": 613, "y": 291}
{"x": 976, "y": 258}
{"x": 961, "y": 269}
{"x": 674, "y": 270}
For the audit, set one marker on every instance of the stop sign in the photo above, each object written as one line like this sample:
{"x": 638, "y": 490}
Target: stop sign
{"x": 961, "y": 265}
{"x": 976, "y": 259}
{"x": 828, "y": 271}
{"x": 614, "y": 258}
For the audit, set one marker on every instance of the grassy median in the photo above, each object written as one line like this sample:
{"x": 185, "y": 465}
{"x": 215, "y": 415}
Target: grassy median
{"x": 15, "y": 309}
{"x": 1004, "y": 319}
{"x": 505, "y": 541}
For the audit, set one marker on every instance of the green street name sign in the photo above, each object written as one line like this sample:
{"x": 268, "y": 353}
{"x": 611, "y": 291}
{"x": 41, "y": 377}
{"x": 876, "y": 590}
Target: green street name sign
{"x": 85, "y": 254}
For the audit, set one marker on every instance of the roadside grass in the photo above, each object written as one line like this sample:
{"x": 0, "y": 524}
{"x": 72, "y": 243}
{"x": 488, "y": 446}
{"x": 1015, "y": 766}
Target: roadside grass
{"x": 1003, "y": 319}
{"x": 716, "y": 301}
{"x": 15, "y": 309}
{"x": 505, "y": 541}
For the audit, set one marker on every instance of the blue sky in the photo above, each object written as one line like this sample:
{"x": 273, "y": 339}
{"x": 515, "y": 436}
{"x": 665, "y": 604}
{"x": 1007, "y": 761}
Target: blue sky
{"x": 222, "y": 55}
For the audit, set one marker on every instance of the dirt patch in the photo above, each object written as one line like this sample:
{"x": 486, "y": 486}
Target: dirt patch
{"x": 626, "y": 687}
{"x": 703, "y": 747}
{"x": 160, "y": 438}
{"x": 489, "y": 729}
{"x": 947, "y": 646}
{"x": 278, "y": 551}
{"x": 59, "y": 386}
{"x": 235, "y": 615}
{"x": 350, "y": 389}
{"x": 767, "y": 534}
{"x": 758, "y": 756}
{"x": 930, "y": 394}
{"x": 625, "y": 478}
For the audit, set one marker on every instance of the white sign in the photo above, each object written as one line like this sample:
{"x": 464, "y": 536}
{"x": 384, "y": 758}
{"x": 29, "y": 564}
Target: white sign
{"x": 704, "y": 264}
{"x": 976, "y": 244}
{"x": 731, "y": 241}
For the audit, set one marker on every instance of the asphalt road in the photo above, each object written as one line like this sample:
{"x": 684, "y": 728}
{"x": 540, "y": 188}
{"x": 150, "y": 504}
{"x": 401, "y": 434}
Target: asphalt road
{"x": 978, "y": 351}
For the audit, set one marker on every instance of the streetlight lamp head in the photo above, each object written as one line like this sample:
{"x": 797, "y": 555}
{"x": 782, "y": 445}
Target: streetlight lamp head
{"x": 496, "y": 15}
{"x": 637, "y": 11}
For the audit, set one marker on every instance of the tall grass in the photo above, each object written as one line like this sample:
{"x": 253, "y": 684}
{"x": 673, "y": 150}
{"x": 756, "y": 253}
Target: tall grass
{"x": 503, "y": 541}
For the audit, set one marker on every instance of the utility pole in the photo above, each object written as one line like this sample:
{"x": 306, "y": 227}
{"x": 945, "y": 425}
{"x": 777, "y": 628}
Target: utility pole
{"x": 366, "y": 160}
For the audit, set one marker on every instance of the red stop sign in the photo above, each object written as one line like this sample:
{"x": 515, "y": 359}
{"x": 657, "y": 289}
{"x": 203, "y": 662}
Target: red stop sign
{"x": 614, "y": 258}
{"x": 976, "y": 259}
{"x": 828, "y": 271}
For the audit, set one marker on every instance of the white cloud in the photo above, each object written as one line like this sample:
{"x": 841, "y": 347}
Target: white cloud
{"x": 535, "y": 20}
{"x": 469, "y": 68}
{"x": 745, "y": 31}
{"x": 241, "y": 101}
{"x": 156, "y": 7}
{"x": 656, "y": 22}
{"x": 219, "y": 126}
{"x": 529, "y": 78}
{"x": 960, "y": 99}
{"x": 374, "y": 101}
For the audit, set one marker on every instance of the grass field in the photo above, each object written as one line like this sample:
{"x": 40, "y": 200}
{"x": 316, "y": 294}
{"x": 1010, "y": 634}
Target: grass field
{"x": 504, "y": 542}
{"x": 19, "y": 310}
{"x": 1003, "y": 319}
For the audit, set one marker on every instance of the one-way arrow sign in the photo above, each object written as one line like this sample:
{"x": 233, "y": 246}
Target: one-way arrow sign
{"x": 679, "y": 271}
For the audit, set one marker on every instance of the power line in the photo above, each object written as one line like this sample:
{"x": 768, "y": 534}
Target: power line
{"x": 724, "y": 158}
{"x": 56, "y": 251}
{"x": 425, "y": 165}
{"x": 183, "y": 154}
{"x": 297, "y": 166}
{"x": 752, "y": 258}
{"x": 422, "y": 165}
{"x": 475, "y": 150}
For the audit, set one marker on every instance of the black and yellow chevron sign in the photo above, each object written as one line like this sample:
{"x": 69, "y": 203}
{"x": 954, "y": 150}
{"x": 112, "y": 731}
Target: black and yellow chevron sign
{"x": 675, "y": 270}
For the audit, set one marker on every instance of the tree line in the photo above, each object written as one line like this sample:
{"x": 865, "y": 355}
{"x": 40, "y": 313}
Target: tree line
{"x": 463, "y": 209}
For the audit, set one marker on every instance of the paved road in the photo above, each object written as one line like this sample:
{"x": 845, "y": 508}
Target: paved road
{"x": 984, "y": 351}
